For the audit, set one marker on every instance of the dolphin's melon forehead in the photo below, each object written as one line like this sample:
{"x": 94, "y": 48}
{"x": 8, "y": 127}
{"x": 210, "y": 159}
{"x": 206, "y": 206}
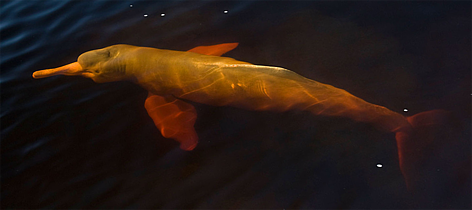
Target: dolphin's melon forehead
{"x": 93, "y": 57}
{"x": 119, "y": 48}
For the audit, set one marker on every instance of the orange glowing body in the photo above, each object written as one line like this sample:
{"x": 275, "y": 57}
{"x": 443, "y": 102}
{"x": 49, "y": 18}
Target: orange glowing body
{"x": 222, "y": 81}
{"x": 202, "y": 76}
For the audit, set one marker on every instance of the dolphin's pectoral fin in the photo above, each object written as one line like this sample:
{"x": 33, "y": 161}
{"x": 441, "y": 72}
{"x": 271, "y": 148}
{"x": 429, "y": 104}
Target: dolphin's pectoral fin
{"x": 216, "y": 50}
{"x": 174, "y": 118}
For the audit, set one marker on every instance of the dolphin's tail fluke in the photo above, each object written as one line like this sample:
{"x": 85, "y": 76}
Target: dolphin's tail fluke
{"x": 421, "y": 142}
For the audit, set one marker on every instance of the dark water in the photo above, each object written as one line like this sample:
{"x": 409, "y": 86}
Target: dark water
{"x": 67, "y": 142}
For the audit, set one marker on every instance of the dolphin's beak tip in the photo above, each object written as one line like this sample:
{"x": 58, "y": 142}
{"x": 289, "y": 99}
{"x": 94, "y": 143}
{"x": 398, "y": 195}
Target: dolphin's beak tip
{"x": 37, "y": 74}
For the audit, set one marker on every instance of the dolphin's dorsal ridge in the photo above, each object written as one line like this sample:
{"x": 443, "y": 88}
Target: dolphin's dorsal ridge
{"x": 216, "y": 50}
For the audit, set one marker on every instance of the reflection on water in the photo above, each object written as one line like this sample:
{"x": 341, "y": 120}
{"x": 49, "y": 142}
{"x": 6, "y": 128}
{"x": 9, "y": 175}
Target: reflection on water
{"x": 67, "y": 142}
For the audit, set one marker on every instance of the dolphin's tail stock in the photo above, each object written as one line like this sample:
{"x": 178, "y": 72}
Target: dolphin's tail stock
{"x": 419, "y": 146}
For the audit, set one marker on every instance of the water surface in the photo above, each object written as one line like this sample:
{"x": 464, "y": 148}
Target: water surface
{"x": 67, "y": 142}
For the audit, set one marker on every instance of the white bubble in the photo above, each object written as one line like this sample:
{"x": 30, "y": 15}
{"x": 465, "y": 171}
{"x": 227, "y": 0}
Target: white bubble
{"x": 145, "y": 15}
{"x": 379, "y": 165}
{"x": 405, "y": 110}
{"x": 130, "y": 5}
{"x": 163, "y": 14}
{"x": 226, "y": 11}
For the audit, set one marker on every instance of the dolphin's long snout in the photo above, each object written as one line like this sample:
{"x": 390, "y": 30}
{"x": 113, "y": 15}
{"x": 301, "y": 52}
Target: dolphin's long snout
{"x": 69, "y": 69}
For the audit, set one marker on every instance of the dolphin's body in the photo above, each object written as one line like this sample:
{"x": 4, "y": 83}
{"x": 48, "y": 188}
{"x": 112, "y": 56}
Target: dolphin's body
{"x": 202, "y": 76}
{"x": 205, "y": 78}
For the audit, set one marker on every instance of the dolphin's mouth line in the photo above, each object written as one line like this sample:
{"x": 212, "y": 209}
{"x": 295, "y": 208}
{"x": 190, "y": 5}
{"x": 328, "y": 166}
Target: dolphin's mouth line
{"x": 88, "y": 74}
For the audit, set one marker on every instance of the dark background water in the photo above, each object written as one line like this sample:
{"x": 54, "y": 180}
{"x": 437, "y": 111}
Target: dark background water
{"x": 67, "y": 142}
